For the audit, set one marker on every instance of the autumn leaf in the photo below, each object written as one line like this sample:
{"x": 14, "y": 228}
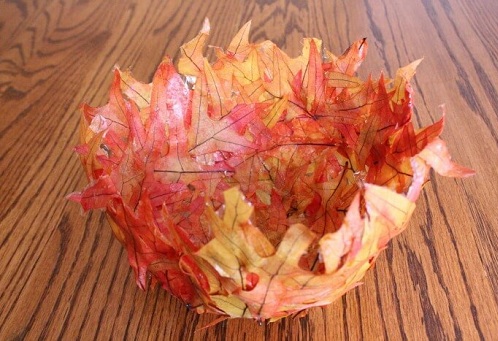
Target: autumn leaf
{"x": 258, "y": 185}
{"x": 192, "y": 52}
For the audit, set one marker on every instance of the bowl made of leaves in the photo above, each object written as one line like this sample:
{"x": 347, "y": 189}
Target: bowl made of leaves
{"x": 259, "y": 185}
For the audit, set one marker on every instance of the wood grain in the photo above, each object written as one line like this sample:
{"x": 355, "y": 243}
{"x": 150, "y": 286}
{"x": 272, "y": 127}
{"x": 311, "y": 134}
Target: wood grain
{"x": 64, "y": 276}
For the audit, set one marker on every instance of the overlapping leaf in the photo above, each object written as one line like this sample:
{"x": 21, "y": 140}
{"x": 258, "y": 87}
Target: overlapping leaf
{"x": 259, "y": 185}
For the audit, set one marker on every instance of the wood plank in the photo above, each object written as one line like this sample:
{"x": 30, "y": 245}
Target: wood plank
{"x": 64, "y": 276}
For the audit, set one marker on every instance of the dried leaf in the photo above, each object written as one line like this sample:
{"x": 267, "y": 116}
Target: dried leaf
{"x": 192, "y": 60}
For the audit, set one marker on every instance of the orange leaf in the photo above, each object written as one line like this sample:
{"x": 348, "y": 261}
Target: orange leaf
{"x": 192, "y": 58}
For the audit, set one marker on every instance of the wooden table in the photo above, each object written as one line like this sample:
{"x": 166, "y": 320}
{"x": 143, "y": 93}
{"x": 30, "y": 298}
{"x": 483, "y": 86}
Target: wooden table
{"x": 64, "y": 276}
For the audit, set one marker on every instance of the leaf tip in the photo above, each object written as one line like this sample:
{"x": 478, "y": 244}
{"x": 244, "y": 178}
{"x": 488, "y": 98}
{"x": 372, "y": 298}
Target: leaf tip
{"x": 206, "y": 26}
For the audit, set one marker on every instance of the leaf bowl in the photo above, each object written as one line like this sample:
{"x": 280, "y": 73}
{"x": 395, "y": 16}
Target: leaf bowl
{"x": 259, "y": 185}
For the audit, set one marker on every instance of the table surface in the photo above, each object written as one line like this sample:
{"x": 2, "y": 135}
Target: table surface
{"x": 64, "y": 276}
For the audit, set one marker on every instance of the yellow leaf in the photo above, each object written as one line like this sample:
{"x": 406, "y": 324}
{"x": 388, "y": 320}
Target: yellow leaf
{"x": 403, "y": 76}
{"x": 240, "y": 43}
{"x": 192, "y": 58}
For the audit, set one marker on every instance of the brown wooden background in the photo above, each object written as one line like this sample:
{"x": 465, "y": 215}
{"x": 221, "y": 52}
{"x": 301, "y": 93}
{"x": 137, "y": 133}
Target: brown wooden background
{"x": 63, "y": 276}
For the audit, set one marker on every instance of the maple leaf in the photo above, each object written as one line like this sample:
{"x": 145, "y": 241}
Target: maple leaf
{"x": 258, "y": 185}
